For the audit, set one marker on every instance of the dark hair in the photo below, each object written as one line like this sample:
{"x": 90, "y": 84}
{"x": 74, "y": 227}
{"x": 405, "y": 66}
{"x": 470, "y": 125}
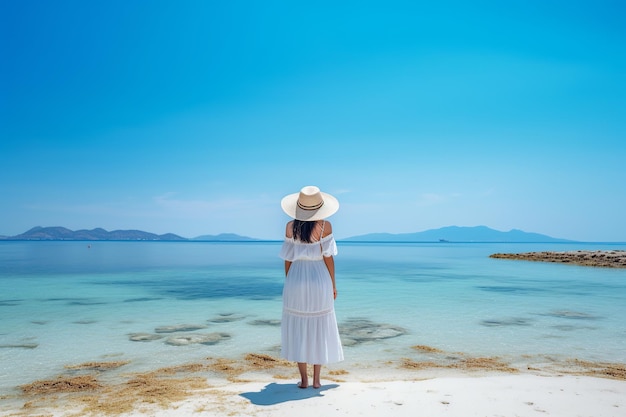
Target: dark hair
{"x": 302, "y": 230}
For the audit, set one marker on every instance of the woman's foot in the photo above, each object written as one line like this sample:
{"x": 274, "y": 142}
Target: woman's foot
{"x": 317, "y": 371}
{"x": 304, "y": 377}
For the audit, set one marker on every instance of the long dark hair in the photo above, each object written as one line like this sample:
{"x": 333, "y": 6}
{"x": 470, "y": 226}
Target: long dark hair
{"x": 302, "y": 230}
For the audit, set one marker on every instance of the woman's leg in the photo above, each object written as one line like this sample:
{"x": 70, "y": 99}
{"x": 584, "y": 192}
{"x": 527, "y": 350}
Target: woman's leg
{"x": 317, "y": 370}
{"x": 304, "y": 378}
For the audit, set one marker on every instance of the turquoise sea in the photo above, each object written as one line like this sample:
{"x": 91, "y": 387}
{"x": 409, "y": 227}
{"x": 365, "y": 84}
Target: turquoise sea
{"x": 64, "y": 303}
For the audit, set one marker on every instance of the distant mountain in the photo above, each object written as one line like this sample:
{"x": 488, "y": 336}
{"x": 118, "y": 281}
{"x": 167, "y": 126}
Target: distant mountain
{"x": 224, "y": 237}
{"x": 458, "y": 234}
{"x": 61, "y": 233}
{"x": 445, "y": 234}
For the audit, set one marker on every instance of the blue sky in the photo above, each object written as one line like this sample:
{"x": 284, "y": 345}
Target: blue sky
{"x": 197, "y": 117}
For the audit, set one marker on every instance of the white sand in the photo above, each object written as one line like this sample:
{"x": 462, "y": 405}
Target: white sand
{"x": 507, "y": 395}
{"x": 382, "y": 393}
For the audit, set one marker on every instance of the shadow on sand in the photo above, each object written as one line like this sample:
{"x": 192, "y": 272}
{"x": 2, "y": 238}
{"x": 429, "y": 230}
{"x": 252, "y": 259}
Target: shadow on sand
{"x": 274, "y": 393}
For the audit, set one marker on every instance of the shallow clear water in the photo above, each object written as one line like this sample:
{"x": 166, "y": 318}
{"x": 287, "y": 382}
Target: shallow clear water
{"x": 64, "y": 303}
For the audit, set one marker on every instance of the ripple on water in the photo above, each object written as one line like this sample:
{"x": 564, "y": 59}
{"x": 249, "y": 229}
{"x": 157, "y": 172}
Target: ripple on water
{"x": 144, "y": 337}
{"x": 24, "y": 343}
{"x": 226, "y": 318}
{"x": 142, "y": 299}
{"x": 74, "y": 301}
{"x": 10, "y": 303}
{"x": 570, "y": 328}
{"x": 572, "y": 315}
{"x": 509, "y": 289}
{"x": 85, "y": 321}
{"x": 179, "y": 328}
{"x": 85, "y": 303}
{"x": 191, "y": 288}
{"x": 513, "y": 321}
{"x": 197, "y": 338}
{"x": 265, "y": 322}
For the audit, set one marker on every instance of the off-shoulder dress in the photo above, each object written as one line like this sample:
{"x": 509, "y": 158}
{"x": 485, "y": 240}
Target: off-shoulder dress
{"x": 309, "y": 330}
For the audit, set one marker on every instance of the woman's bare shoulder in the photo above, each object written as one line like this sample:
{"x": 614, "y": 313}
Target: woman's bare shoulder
{"x": 328, "y": 228}
{"x": 289, "y": 229}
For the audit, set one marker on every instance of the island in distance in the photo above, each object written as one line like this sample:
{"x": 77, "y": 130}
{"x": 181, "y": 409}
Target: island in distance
{"x": 225, "y": 237}
{"x": 62, "y": 233}
{"x": 481, "y": 234}
{"x": 444, "y": 234}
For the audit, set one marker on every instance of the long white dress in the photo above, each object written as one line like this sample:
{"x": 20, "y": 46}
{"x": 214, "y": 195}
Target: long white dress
{"x": 309, "y": 325}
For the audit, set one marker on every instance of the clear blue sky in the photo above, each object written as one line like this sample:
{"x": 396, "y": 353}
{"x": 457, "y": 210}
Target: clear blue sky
{"x": 196, "y": 117}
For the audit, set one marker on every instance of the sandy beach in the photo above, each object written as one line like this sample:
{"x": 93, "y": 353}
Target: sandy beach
{"x": 261, "y": 385}
{"x": 522, "y": 395}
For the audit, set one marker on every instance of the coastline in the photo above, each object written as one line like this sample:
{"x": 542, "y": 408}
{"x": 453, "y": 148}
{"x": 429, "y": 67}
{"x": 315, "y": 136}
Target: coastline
{"x": 530, "y": 332}
{"x": 262, "y": 385}
{"x": 596, "y": 258}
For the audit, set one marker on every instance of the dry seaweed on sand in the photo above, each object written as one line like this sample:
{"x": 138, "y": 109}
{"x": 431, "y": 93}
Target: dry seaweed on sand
{"x": 469, "y": 364}
{"x": 488, "y": 364}
{"x": 62, "y": 384}
{"x": 90, "y": 396}
{"x": 147, "y": 389}
{"x": 598, "y": 369}
{"x": 97, "y": 366}
{"x": 263, "y": 361}
{"x": 427, "y": 349}
{"x": 407, "y": 363}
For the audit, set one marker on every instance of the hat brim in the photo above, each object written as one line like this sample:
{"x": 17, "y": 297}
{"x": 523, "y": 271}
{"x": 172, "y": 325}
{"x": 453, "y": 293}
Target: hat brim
{"x": 289, "y": 205}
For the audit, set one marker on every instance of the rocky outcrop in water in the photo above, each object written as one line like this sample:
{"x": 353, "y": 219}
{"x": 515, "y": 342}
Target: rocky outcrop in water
{"x": 144, "y": 337}
{"x": 179, "y": 328}
{"x": 598, "y": 258}
{"x": 357, "y": 330}
{"x": 197, "y": 338}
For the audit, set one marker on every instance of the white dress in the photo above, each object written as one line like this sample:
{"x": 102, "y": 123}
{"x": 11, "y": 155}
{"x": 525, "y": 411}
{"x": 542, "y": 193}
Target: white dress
{"x": 309, "y": 326}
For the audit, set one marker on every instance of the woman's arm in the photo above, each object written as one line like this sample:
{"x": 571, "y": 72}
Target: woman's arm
{"x": 289, "y": 234}
{"x": 329, "y": 260}
{"x": 330, "y": 264}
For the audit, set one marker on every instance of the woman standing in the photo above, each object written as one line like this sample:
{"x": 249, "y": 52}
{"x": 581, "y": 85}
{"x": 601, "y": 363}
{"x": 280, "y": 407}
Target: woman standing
{"x": 309, "y": 326}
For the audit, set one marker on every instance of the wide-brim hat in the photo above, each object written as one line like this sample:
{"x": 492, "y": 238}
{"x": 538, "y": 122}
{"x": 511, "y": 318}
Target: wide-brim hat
{"x": 309, "y": 204}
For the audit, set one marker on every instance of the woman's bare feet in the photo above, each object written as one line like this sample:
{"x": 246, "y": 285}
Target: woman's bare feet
{"x": 304, "y": 378}
{"x": 317, "y": 371}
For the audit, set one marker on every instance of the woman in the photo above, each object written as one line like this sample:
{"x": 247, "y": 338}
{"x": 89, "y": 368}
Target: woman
{"x": 309, "y": 326}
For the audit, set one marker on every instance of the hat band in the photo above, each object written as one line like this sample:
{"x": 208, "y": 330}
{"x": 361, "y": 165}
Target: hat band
{"x": 314, "y": 207}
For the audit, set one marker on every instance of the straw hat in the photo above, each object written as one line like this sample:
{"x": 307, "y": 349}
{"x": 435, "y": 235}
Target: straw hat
{"x": 309, "y": 204}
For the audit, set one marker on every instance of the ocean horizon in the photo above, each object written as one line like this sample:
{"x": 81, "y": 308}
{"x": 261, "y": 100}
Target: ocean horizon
{"x": 157, "y": 304}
